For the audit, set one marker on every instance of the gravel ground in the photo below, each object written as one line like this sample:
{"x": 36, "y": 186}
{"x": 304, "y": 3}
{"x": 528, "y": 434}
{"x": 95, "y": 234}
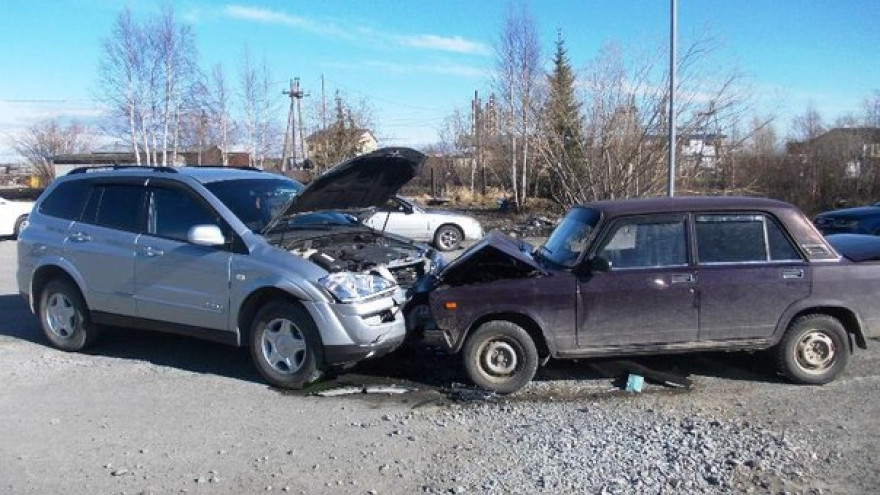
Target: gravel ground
{"x": 154, "y": 413}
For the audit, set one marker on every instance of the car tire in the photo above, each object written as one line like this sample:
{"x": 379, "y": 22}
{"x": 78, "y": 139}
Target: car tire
{"x": 19, "y": 225}
{"x": 448, "y": 237}
{"x": 500, "y": 356}
{"x": 814, "y": 350}
{"x": 65, "y": 317}
{"x": 285, "y": 346}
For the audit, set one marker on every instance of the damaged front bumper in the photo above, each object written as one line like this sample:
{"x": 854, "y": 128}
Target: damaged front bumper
{"x": 356, "y": 331}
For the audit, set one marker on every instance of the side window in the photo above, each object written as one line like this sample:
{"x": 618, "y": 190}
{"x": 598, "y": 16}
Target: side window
{"x": 66, "y": 201}
{"x": 118, "y": 206}
{"x": 173, "y": 212}
{"x": 781, "y": 248}
{"x": 741, "y": 238}
{"x": 645, "y": 242}
{"x": 392, "y": 205}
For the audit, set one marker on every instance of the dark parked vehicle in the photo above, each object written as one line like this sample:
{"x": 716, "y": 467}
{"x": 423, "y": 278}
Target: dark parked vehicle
{"x": 654, "y": 276}
{"x": 860, "y": 220}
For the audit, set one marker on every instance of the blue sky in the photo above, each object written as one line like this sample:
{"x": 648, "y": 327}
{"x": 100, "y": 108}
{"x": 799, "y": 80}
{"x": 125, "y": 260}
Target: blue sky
{"x": 415, "y": 61}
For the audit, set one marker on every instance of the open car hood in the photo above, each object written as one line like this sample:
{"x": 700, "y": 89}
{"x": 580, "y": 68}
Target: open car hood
{"x": 361, "y": 182}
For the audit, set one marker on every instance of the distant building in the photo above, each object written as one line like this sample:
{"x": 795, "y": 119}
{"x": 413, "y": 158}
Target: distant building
{"x": 318, "y": 141}
{"x": 852, "y": 147}
{"x": 62, "y": 164}
{"x": 701, "y": 149}
{"x": 213, "y": 155}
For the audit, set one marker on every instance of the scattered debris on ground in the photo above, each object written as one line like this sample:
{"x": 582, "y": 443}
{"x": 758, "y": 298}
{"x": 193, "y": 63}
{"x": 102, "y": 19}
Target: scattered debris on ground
{"x": 365, "y": 389}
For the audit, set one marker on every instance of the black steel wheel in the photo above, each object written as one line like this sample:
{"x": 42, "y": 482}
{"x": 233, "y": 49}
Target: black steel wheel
{"x": 814, "y": 350}
{"x": 500, "y": 356}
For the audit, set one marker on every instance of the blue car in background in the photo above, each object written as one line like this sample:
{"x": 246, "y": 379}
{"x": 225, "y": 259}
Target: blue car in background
{"x": 860, "y": 220}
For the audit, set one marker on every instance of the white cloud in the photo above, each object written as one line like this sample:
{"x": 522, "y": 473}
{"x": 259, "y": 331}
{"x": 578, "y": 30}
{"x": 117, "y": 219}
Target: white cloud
{"x": 455, "y": 44}
{"x": 444, "y": 68}
{"x": 359, "y": 33}
{"x": 265, "y": 16}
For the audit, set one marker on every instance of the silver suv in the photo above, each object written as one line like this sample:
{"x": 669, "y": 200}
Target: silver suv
{"x": 242, "y": 257}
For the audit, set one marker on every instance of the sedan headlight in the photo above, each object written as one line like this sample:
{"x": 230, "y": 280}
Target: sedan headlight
{"x": 349, "y": 287}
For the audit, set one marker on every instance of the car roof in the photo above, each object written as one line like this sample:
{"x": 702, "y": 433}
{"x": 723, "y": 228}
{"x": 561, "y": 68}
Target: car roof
{"x": 203, "y": 174}
{"x": 220, "y": 173}
{"x": 685, "y": 203}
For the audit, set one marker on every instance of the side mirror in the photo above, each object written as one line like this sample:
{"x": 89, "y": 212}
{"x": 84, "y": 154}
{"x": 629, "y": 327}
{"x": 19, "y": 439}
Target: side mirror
{"x": 205, "y": 235}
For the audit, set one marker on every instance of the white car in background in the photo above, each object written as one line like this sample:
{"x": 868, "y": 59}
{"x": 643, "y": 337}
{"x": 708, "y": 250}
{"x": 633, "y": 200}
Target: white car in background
{"x": 444, "y": 229}
{"x": 13, "y": 216}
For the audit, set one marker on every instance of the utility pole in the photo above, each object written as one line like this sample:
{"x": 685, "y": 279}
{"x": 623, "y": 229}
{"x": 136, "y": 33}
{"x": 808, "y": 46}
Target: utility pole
{"x": 670, "y": 184}
{"x": 296, "y": 94}
{"x": 323, "y": 106}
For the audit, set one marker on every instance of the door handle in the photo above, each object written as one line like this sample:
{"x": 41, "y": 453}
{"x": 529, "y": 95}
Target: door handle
{"x": 153, "y": 252}
{"x": 792, "y": 273}
{"x": 682, "y": 278}
{"x": 79, "y": 237}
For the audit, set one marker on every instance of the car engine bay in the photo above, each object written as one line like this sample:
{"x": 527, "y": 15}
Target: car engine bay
{"x": 361, "y": 251}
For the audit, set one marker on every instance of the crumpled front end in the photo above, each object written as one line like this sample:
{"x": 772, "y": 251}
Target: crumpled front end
{"x": 359, "y": 330}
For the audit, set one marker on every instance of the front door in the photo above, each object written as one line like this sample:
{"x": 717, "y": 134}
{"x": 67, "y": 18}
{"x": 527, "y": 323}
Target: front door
{"x": 648, "y": 296}
{"x": 176, "y": 281}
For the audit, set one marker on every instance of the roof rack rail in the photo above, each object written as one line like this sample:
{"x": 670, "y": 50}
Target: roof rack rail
{"x": 103, "y": 168}
{"x": 233, "y": 167}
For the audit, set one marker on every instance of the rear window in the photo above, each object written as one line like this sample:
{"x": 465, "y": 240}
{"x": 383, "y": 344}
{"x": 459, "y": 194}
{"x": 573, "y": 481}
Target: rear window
{"x": 66, "y": 200}
{"x": 741, "y": 238}
{"x": 116, "y": 206}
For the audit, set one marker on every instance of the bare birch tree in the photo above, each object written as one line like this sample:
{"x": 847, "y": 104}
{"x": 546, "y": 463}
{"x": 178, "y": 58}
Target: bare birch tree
{"x": 259, "y": 106}
{"x": 219, "y": 111}
{"x": 147, "y": 71}
{"x": 517, "y": 80}
{"x": 871, "y": 109}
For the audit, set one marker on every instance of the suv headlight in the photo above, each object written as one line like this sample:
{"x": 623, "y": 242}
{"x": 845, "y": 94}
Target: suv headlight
{"x": 349, "y": 287}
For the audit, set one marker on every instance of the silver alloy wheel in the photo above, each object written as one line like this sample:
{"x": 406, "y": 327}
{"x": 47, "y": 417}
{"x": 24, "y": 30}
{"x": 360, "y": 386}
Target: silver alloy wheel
{"x": 283, "y": 345}
{"x": 61, "y": 315}
{"x": 498, "y": 358}
{"x": 815, "y": 352}
{"x": 449, "y": 238}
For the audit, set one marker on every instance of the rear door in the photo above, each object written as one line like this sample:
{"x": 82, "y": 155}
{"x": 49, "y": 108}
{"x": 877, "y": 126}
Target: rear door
{"x": 648, "y": 294}
{"x": 102, "y": 244}
{"x": 177, "y": 281}
{"x": 749, "y": 272}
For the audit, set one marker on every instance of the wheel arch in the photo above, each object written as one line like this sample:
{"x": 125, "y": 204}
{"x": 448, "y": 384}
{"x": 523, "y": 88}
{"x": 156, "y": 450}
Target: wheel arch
{"x": 45, "y": 274}
{"x": 846, "y": 316}
{"x": 252, "y": 304}
{"x": 523, "y": 320}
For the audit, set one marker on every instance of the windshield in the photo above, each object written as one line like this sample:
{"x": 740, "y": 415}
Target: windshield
{"x": 570, "y": 237}
{"x": 255, "y": 201}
